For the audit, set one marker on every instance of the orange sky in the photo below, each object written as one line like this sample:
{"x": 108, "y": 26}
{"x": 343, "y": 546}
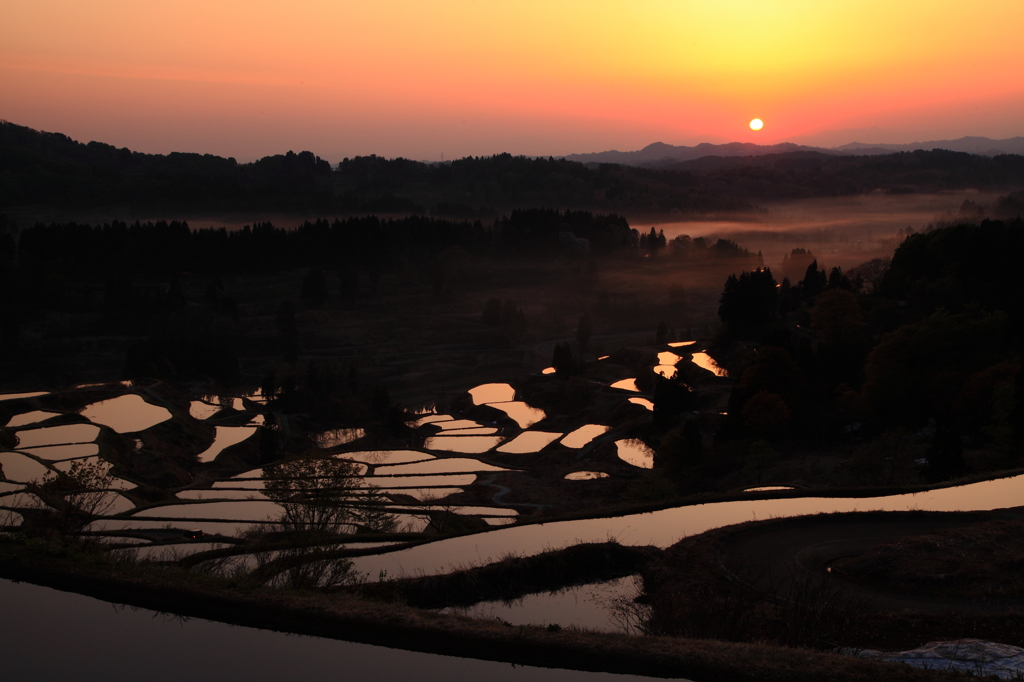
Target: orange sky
{"x": 457, "y": 77}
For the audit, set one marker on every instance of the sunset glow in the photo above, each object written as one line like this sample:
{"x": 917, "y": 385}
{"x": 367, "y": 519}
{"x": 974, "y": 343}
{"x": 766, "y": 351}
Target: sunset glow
{"x": 756, "y": 124}
{"x": 456, "y": 77}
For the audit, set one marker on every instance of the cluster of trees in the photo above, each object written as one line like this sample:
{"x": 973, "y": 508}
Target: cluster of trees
{"x": 934, "y": 342}
{"x": 798, "y": 175}
{"x": 507, "y": 315}
{"x": 38, "y": 168}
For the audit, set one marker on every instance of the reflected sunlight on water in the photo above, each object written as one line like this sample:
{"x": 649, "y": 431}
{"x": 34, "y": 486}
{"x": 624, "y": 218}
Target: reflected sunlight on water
{"x": 126, "y": 413}
{"x": 634, "y": 451}
{"x": 520, "y": 412}
{"x": 225, "y": 437}
{"x": 492, "y": 393}
{"x": 705, "y": 361}
{"x": 583, "y": 435}
{"x": 585, "y": 475}
{"x": 57, "y": 435}
{"x": 531, "y": 441}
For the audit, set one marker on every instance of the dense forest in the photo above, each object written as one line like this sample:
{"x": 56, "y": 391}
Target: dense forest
{"x": 50, "y": 169}
{"x": 931, "y": 346}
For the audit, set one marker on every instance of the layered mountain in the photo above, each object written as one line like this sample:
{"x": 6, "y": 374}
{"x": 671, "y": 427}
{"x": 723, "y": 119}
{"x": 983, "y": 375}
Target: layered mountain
{"x": 661, "y": 154}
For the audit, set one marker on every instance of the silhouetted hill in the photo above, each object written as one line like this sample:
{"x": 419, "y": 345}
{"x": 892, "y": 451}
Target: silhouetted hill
{"x": 50, "y": 169}
{"x": 660, "y": 154}
{"x": 54, "y": 171}
{"x": 812, "y": 174}
{"x": 983, "y": 146}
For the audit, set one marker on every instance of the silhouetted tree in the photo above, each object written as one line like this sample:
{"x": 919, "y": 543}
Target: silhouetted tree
{"x": 314, "y": 287}
{"x": 748, "y": 303}
{"x": 584, "y": 330}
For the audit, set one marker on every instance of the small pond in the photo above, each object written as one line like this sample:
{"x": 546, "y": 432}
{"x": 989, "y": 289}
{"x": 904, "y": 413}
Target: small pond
{"x": 336, "y": 437}
{"x": 626, "y": 385}
{"x": 85, "y": 627}
{"x": 377, "y": 457}
{"x": 681, "y": 344}
{"x": 530, "y": 441}
{"x": 201, "y": 410}
{"x": 457, "y": 424}
{"x": 463, "y": 444}
{"x": 634, "y": 451}
{"x": 583, "y": 435}
{"x": 442, "y": 481}
{"x": 126, "y": 413}
{"x": 585, "y": 475}
{"x": 520, "y": 412}
{"x": 430, "y": 419}
{"x": 482, "y": 431}
{"x": 235, "y": 510}
{"x": 424, "y": 494}
{"x": 57, "y": 435}
{"x": 219, "y": 494}
{"x": 667, "y": 371}
{"x": 705, "y": 361}
{"x": 115, "y": 482}
{"x": 643, "y": 402}
{"x": 58, "y": 453}
{"x": 492, "y": 393}
{"x": 18, "y": 467}
{"x": 27, "y": 418}
{"x": 587, "y": 606}
{"x": 225, "y": 437}
{"x": 16, "y": 396}
{"x": 668, "y": 358}
{"x": 451, "y": 465}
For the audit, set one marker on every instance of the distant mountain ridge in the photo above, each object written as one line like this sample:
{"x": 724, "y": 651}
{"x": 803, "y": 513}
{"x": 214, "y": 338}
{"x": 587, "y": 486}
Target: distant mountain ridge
{"x": 659, "y": 153}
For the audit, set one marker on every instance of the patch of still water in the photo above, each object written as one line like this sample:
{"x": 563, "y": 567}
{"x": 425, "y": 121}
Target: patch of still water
{"x": 225, "y": 437}
{"x": 463, "y": 444}
{"x": 19, "y": 468}
{"x": 126, "y": 413}
{"x": 520, "y": 412}
{"x": 336, "y": 437}
{"x": 643, "y": 402}
{"x": 585, "y": 475}
{"x": 429, "y": 419}
{"x": 583, "y": 435}
{"x": 198, "y": 409}
{"x": 636, "y": 452}
{"x": 458, "y": 424}
{"x": 87, "y": 626}
{"x": 378, "y": 457}
{"x": 588, "y": 606}
{"x": 424, "y": 494}
{"x": 529, "y": 442}
{"x": 17, "y": 396}
{"x": 492, "y": 393}
{"x": 59, "y": 453}
{"x": 448, "y": 465}
{"x": 626, "y": 385}
{"x": 57, "y": 435}
{"x": 705, "y": 361}
{"x": 26, "y": 418}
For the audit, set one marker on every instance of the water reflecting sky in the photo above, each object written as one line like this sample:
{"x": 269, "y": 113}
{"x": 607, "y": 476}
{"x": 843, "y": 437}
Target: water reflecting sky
{"x": 47, "y": 635}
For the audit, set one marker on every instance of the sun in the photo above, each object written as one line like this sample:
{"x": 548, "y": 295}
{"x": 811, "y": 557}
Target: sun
{"x": 756, "y": 124}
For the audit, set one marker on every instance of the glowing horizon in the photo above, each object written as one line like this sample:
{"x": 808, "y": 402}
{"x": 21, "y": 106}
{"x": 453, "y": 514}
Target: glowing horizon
{"x": 457, "y": 78}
